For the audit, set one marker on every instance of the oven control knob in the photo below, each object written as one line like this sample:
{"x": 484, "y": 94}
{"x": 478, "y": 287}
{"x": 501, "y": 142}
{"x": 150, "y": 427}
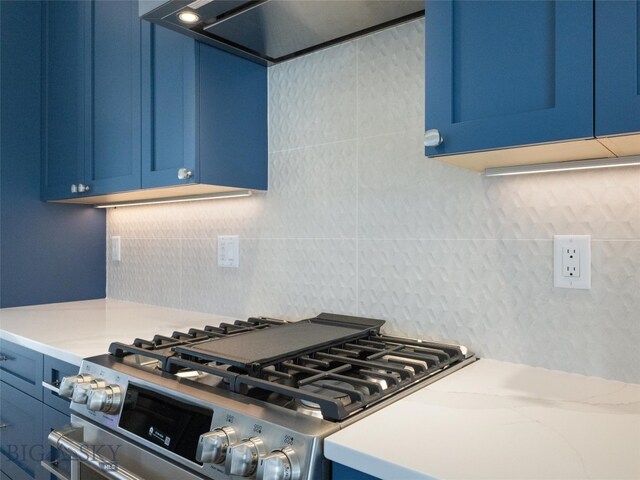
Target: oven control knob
{"x": 67, "y": 384}
{"x": 212, "y": 446}
{"x": 242, "y": 458}
{"x": 279, "y": 465}
{"x": 81, "y": 390}
{"x": 106, "y": 399}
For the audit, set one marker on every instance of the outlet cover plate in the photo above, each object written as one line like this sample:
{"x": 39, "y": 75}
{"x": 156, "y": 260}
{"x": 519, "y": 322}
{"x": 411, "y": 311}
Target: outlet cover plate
{"x": 228, "y": 251}
{"x": 582, "y": 245}
{"x": 115, "y": 249}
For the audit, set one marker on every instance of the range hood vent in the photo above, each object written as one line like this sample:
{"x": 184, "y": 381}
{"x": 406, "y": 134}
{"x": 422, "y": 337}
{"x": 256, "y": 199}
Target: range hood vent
{"x": 271, "y": 31}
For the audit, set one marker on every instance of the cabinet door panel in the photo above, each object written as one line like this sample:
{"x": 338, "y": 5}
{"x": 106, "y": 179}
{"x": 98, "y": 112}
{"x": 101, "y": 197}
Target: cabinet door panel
{"x": 232, "y": 115}
{"x": 22, "y": 368}
{"x": 507, "y": 73}
{"x": 113, "y": 59}
{"x": 53, "y": 420}
{"x": 341, "y": 472}
{"x": 21, "y": 448}
{"x": 617, "y": 67}
{"x": 168, "y": 106}
{"x": 63, "y": 98}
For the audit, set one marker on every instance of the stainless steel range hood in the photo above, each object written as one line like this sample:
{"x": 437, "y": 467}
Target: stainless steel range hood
{"x": 271, "y": 31}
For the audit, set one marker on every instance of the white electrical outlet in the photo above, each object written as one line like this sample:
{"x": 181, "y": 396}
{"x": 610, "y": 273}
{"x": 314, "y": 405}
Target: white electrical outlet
{"x": 572, "y": 261}
{"x": 228, "y": 251}
{"x": 115, "y": 249}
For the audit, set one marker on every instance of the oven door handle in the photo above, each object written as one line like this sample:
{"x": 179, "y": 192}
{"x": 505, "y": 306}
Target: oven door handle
{"x": 61, "y": 440}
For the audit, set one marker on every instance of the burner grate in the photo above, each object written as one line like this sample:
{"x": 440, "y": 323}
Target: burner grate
{"x": 347, "y": 365}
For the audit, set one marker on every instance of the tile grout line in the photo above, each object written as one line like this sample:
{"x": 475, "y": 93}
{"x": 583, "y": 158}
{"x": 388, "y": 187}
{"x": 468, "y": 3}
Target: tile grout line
{"x": 357, "y": 232}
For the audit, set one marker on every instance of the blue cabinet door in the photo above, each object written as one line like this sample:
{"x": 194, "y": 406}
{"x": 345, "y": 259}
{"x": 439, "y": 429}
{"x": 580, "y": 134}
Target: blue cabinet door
{"x": 21, "y": 446}
{"x": 232, "y": 120}
{"x": 63, "y": 129}
{"x": 21, "y": 368}
{"x": 507, "y": 73}
{"x": 112, "y": 59}
{"x": 168, "y": 106}
{"x": 617, "y": 67}
{"x": 341, "y": 472}
{"x": 54, "y": 420}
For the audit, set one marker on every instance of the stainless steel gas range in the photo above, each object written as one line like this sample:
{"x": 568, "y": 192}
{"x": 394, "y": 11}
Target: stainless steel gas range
{"x": 252, "y": 399}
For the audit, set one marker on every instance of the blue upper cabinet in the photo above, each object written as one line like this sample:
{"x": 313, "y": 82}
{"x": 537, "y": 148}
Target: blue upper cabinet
{"x": 168, "y": 106}
{"x": 508, "y": 73}
{"x": 91, "y": 98}
{"x": 232, "y": 127}
{"x": 204, "y": 111}
{"x": 130, "y": 104}
{"x": 617, "y": 63}
{"x": 112, "y": 55}
{"x": 63, "y": 128}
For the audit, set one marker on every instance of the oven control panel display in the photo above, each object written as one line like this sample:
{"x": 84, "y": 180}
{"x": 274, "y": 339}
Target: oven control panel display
{"x": 166, "y": 422}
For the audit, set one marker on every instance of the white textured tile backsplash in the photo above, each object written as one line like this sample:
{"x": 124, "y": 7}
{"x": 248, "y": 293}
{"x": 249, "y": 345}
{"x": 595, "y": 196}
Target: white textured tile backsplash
{"x": 357, "y": 221}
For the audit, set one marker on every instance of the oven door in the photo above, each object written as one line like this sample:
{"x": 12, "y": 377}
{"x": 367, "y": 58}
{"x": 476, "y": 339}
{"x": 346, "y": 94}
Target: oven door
{"x": 88, "y": 452}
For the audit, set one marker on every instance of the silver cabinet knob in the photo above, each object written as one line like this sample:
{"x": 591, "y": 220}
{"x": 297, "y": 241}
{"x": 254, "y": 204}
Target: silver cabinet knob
{"x": 68, "y": 384}
{"x": 432, "y": 138}
{"x": 212, "y": 446}
{"x": 74, "y": 188}
{"x": 184, "y": 173}
{"x": 82, "y": 188}
{"x": 242, "y": 459}
{"x": 107, "y": 399}
{"x": 279, "y": 465}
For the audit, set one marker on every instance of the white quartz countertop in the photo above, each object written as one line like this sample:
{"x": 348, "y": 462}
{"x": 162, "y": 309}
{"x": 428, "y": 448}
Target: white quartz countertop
{"x": 489, "y": 420}
{"x": 497, "y": 420}
{"x": 74, "y": 330}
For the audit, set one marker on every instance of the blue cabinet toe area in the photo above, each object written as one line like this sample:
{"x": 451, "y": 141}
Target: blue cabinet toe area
{"x": 342, "y": 472}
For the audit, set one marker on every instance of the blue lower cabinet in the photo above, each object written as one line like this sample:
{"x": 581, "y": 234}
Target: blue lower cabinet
{"x": 341, "y": 472}
{"x": 53, "y": 420}
{"x": 21, "y": 445}
{"x": 21, "y": 368}
{"x": 507, "y": 73}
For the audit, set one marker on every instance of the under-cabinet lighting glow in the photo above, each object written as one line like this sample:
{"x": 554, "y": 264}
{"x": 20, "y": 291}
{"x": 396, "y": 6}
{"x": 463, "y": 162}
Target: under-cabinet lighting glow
{"x": 562, "y": 166}
{"x": 195, "y": 198}
{"x": 188, "y": 17}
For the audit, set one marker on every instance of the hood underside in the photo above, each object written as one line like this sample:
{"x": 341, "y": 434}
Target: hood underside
{"x": 271, "y": 31}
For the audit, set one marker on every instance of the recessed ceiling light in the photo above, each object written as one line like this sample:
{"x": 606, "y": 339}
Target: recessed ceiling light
{"x": 188, "y": 17}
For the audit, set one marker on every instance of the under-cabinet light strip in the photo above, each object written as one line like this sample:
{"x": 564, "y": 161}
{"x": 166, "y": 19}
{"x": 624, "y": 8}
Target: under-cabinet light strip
{"x": 194, "y": 198}
{"x": 561, "y": 166}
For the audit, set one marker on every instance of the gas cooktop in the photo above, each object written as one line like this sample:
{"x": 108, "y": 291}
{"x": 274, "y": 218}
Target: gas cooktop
{"x": 253, "y": 398}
